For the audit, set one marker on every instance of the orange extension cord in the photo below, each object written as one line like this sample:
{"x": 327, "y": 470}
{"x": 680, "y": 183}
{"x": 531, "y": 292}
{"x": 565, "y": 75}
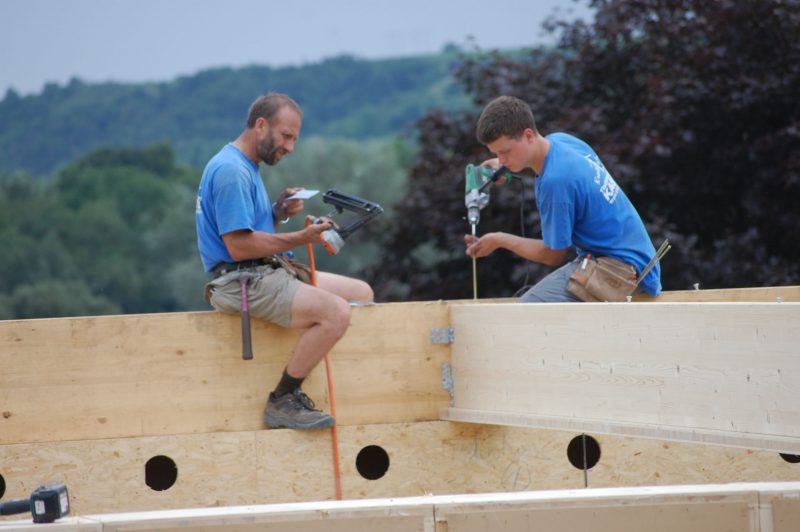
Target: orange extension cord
{"x": 337, "y": 476}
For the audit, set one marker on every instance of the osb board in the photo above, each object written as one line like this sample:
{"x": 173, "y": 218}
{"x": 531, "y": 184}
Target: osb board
{"x": 159, "y": 374}
{"x": 240, "y": 468}
{"x": 726, "y": 373}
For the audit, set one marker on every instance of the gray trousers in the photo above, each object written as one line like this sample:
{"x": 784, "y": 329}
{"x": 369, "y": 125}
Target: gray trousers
{"x": 553, "y": 287}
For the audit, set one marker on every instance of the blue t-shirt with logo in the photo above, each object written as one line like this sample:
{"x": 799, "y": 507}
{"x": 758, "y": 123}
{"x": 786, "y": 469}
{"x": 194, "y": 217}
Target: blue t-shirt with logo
{"x": 580, "y": 204}
{"x": 231, "y": 197}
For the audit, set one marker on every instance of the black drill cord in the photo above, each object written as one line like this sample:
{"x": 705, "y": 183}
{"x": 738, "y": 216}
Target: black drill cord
{"x": 18, "y": 506}
{"x": 525, "y": 285}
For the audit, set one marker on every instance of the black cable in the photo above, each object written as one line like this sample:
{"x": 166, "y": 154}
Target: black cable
{"x": 15, "y": 507}
{"x": 525, "y": 284}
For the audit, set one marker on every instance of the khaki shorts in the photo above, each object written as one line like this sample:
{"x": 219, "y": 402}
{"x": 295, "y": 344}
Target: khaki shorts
{"x": 269, "y": 296}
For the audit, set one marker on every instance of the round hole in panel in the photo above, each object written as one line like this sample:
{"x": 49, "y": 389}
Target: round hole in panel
{"x": 160, "y": 473}
{"x": 372, "y": 462}
{"x": 576, "y": 448}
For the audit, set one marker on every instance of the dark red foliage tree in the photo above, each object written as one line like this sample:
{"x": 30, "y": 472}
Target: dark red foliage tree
{"x": 692, "y": 105}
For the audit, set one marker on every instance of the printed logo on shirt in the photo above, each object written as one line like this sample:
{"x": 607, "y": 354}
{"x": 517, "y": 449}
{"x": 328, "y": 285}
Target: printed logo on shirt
{"x": 609, "y": 187}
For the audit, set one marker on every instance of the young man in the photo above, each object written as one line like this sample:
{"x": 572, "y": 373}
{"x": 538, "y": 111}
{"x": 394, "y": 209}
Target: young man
{"x": 236, "y": 229}
{"x": 579, "y": 203}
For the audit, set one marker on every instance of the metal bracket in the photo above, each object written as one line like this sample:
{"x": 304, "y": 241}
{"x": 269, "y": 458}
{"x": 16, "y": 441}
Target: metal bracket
{"x": 447, "y": 381}
{"x": 443, "y": 335}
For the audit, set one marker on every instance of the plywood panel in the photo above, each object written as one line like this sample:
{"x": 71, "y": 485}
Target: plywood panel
{"x": 721, "y": 372}
{"x": 439, "y": 458}
{"x": 158, "y": 374}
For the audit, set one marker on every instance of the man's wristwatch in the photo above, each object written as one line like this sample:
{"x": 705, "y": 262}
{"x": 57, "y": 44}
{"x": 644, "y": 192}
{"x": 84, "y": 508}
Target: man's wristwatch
{"x": 275, "y": 211}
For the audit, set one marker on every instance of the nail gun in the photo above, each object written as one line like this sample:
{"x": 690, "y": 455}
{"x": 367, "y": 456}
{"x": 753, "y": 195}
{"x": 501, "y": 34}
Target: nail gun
{"x": 333, "y": 238}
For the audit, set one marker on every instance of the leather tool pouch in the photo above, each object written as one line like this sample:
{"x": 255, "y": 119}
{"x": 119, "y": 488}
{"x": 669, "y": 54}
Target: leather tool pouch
{"x": 297, "y": 269}
{"x": 602, "y": 279}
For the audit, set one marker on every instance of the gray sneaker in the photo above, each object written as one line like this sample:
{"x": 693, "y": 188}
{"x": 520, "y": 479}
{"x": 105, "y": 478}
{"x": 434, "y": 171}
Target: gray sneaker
{"x": 294, "y": 411}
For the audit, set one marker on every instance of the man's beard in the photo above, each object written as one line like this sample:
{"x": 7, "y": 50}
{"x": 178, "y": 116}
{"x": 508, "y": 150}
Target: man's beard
{"x": 268, "y": 153}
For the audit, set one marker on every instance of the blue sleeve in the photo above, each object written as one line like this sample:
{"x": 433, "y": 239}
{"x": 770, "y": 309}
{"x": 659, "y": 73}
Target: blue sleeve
{"x": 557, "y": 214}
{"x": 233, "y": 200}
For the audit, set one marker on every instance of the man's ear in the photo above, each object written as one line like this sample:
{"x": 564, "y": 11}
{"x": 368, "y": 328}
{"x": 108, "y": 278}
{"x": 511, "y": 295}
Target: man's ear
{"x": 261, "y": 122}
{"x": 529, "y": 135}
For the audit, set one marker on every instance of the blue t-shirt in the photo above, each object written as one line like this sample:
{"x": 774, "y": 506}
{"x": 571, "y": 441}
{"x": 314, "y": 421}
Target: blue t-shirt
{"x": 580, "y": 204}
{"x": 231, "y": 197}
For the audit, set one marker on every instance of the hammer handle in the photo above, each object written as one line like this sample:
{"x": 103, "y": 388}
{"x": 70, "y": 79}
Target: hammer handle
{"x": 247, "y": 344}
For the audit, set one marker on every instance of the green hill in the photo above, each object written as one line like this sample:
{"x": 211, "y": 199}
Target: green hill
{"x": 343, "y": 97}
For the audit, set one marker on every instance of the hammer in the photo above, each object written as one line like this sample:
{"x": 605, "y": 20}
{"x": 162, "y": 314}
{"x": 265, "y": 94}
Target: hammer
{"x": 247, "y": 344}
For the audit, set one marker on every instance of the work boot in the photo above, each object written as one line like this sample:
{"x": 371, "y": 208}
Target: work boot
{"x": 294, "y": 410}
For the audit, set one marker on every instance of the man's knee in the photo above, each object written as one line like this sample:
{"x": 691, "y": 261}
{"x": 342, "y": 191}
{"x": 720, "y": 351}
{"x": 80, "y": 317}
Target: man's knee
{"x": 363, "y": 292}
{"x": 340, "y": 317}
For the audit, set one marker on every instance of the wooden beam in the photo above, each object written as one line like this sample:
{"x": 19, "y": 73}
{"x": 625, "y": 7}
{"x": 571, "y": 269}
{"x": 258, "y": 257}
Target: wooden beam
{"x": 766, "y": 294}
{"x": 158, "y": 374}
{"x": 724, "y": 373}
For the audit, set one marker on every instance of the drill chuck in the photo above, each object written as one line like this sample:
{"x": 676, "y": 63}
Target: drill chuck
{"x": 473, "y": 214}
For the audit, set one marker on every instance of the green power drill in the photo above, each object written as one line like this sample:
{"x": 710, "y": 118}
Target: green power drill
{"x": 478, "y": 179}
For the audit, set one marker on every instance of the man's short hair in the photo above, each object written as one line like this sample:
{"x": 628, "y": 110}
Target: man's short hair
{"x": 267, "y": 107}
{"x": 505, "y": 115}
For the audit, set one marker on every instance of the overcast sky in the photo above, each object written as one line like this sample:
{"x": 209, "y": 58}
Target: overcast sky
{"x": 157, "y": 40}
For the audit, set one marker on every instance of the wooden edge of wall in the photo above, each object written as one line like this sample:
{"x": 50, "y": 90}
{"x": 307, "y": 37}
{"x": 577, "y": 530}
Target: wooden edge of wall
{"x": 755, "y": 294}
{"x": 761, "y": 442}
{"x": 112, "y": 375}
{"x": 183, "y": 373}
{"x": 753, "y": 507}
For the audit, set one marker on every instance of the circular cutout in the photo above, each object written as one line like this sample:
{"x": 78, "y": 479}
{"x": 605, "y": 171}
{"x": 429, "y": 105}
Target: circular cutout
{"x": 160, "y": 473}
{"x": 2, "y": 486}
{"x": 583, "y": 452}
{"x": 372, "y": 462}
{"x": 791, "y": 458}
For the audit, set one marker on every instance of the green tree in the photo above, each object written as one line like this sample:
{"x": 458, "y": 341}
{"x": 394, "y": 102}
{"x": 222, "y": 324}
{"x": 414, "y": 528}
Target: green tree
{"x": 101, "y": 238}
{"x": 374, "y": 170}
{"x": 114, "y": 232}
{"x": 342, "y": 97}
{"x": 54, "y": 298}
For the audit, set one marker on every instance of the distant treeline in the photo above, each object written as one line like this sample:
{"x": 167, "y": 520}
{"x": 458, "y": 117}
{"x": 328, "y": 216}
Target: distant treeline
{"x": 113, "y": 232}
{"x": 342, "y": 97}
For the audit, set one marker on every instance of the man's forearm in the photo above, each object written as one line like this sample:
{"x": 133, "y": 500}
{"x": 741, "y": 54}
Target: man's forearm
{"x": 243, "y": 245}
{"x": 532, "y": 249}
